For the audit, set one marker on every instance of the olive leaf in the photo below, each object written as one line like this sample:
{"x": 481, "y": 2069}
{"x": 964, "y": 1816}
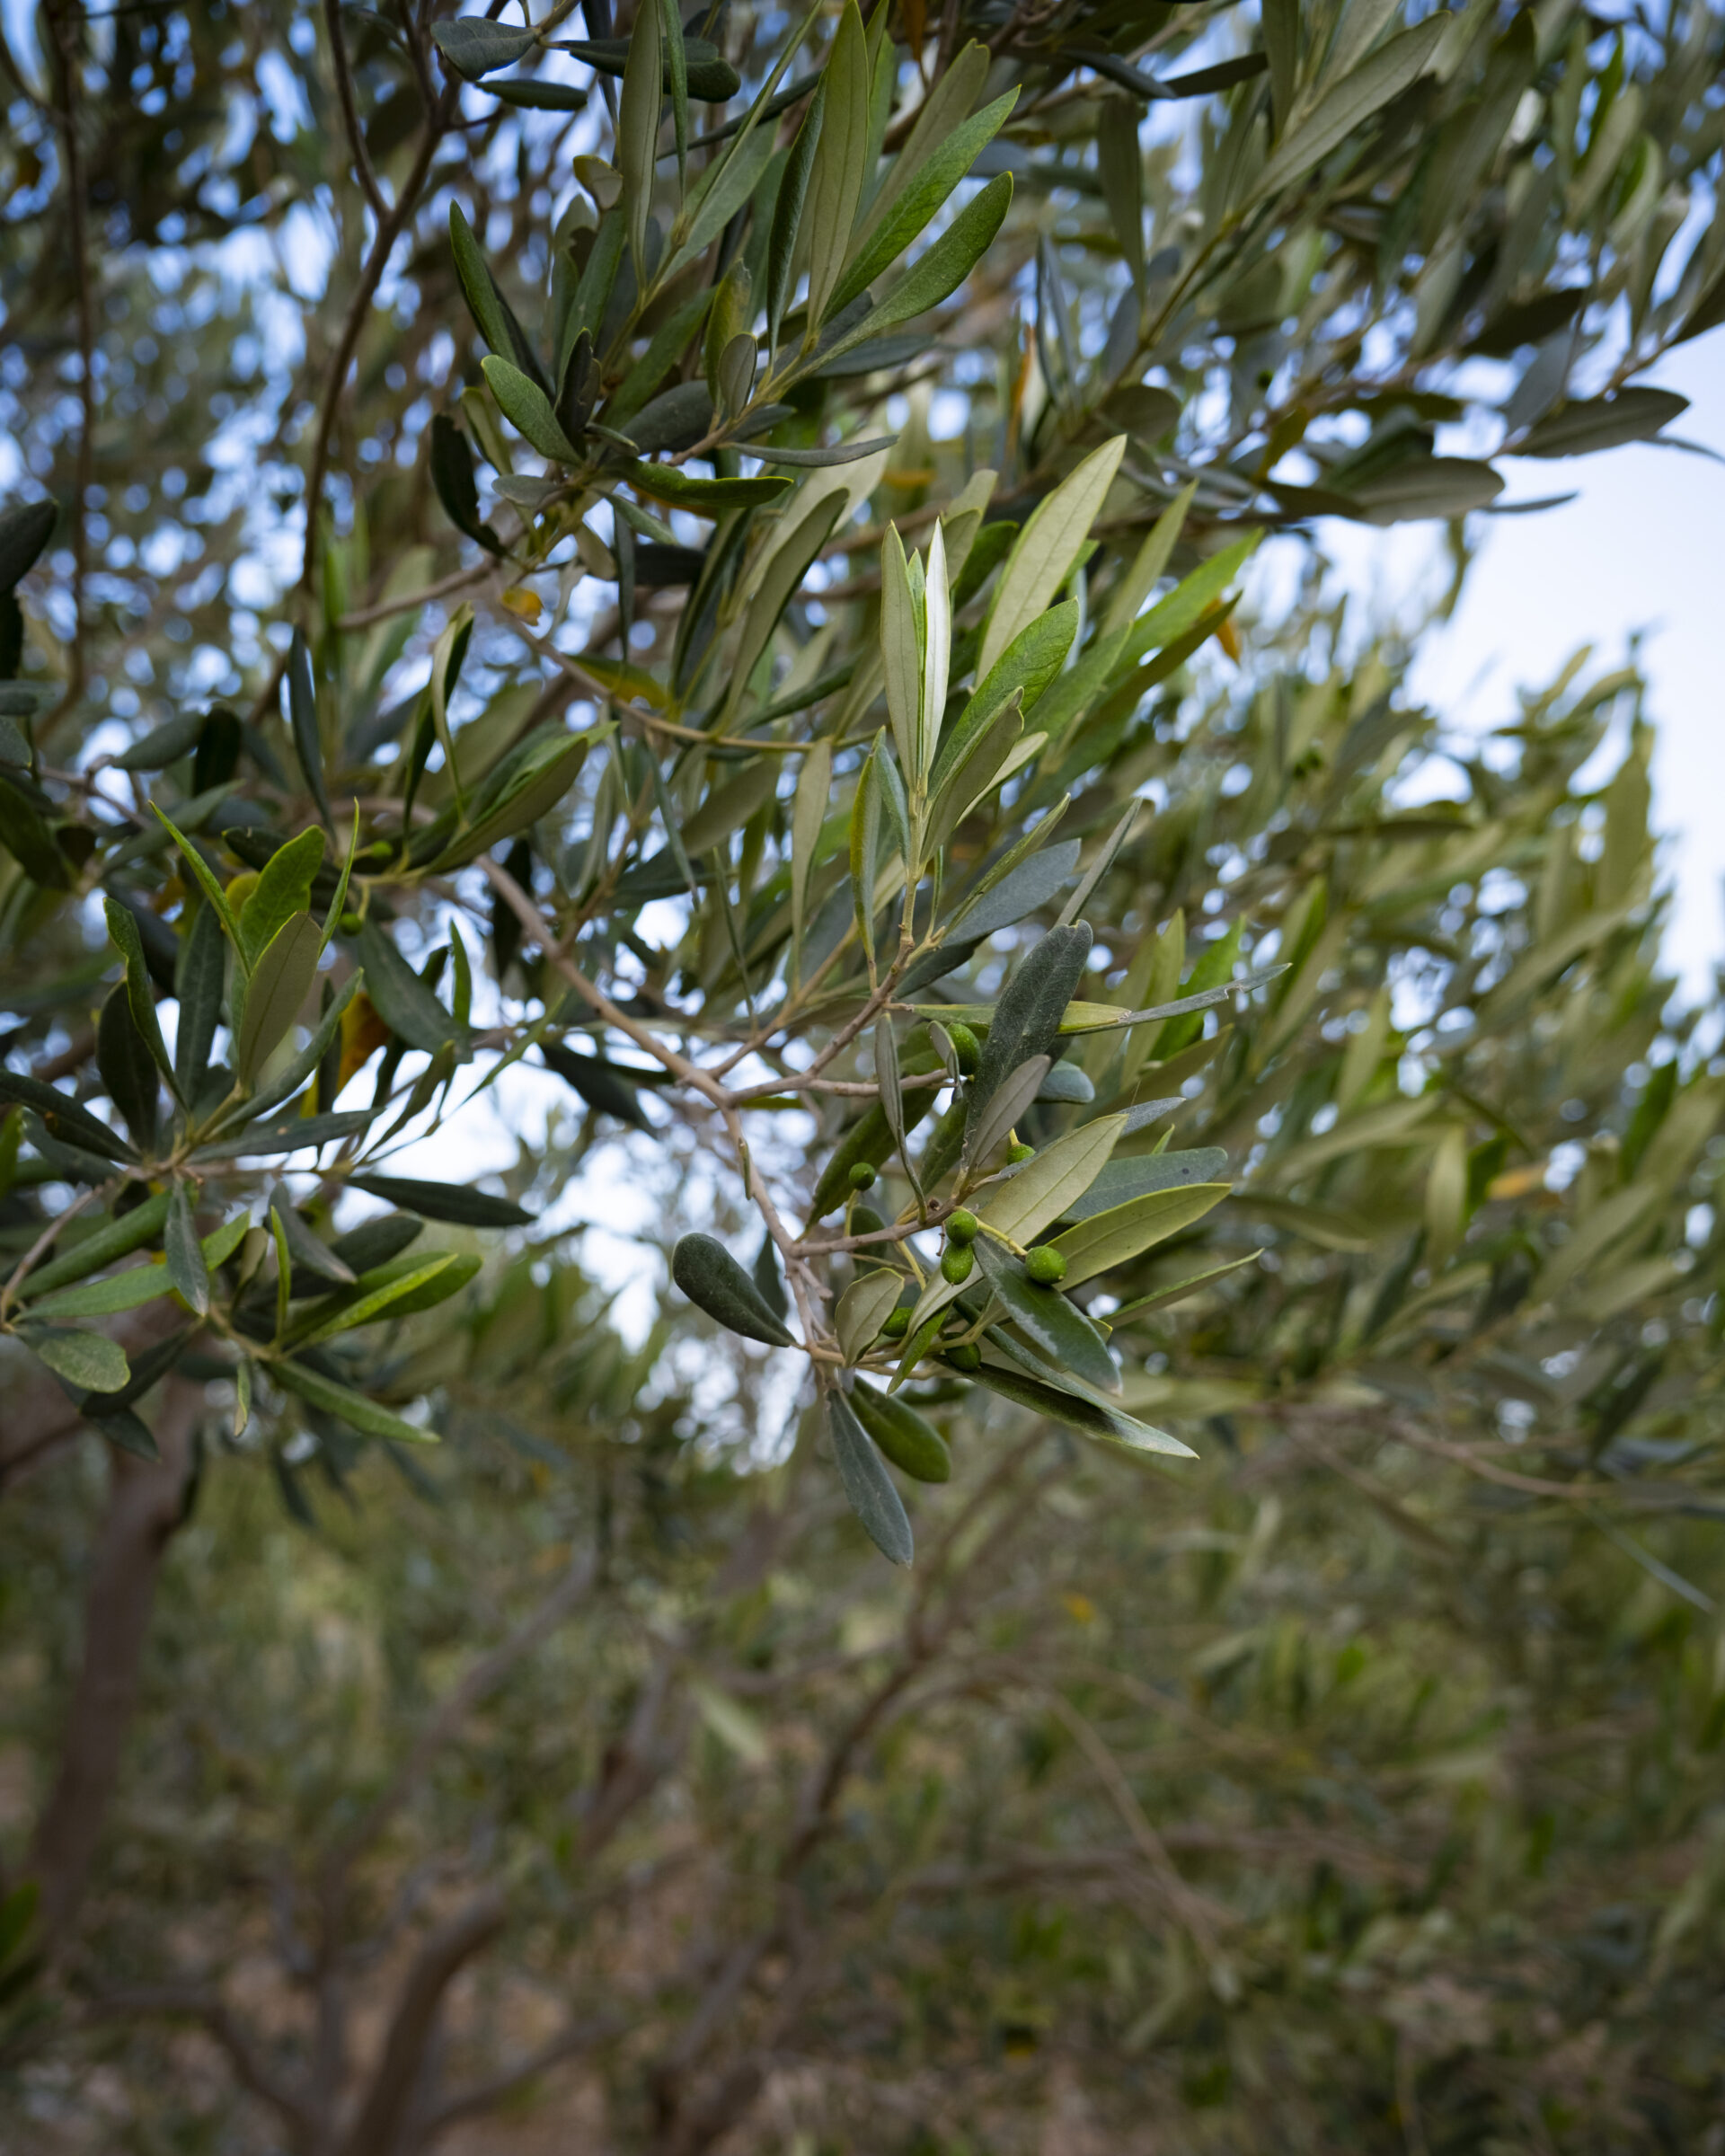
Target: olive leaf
{"x": 867, "y": 1484}
{"x": 713, "y": 1281}
{"x": 909, "y": 1440}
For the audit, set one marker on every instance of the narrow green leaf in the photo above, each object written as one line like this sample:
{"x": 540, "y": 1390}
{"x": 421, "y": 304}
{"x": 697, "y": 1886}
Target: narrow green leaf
{"x": 1027, "y": 1018}
{"x": 939, "y": 272}
{"x": 937, "y": 660}
{"x": 354, "y": 1409}
{"x": 1178, "y": 1290}
{"x": 865, "y": 849}
{"x": 386, "y": 1299}
{"x": 206, "y": 881}
{"x": 127, "y": 1070}
{"x": 122, "y": 928}
{"x": 1011, "y": 1099}
{"x": 1149, "y": 564}
{"x": 1047, "y": 1188}
{"x": 916, "y": 202}
{"x": 526, "y": 406}
{"x": 451, "y": 1202}
{"x": 302, "y": 717}
{"x": 1634, "y": 414}
{"x": 203, "y": 979}
{"x": 406, "y": 1006}
{"x": 1384, "y": 74}
{"x": 870, "y": 1489}
{"x": 184, "y": 1253}
{"x": 942, "y": 114}
{"x": 1028, "y": 665}
{"x": 1150, "y": 1173}
{"x": 1094, "y": 1418}
{"x": 787, "y": 215}
{"x": 1120, "y": 166}
{"x": 63, "y": 1118}
{"x": 706, "y": 497}
{"x": 814, "y": 789}
{"x": 840, "y": 163}
{"x": 676, "y": 81}
{"x": 476, "y": 48}
{"x": 290, "y": 1080}
{"x": 901, "y": 649}
{"x": 279, "y": 984}
{"x": 308, "y": 1253}
{"x": 1118, "y": 1234}
{"x": 1045, "y": 551}
{"x": 638, "y": 108}
{"x": 788, "y": 565}
{"x": 115, "y": 1238}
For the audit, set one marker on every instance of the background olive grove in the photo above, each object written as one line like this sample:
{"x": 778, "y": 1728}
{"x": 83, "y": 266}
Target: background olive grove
{"x": 590, "y": 1778}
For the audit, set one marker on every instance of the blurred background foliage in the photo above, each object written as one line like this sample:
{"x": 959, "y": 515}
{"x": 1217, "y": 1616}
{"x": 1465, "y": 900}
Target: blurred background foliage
{"x": 591, "y": 1780}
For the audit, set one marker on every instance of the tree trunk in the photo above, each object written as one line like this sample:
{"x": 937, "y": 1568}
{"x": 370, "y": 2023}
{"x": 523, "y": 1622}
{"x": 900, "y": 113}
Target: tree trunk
{"x": 145, "y": 1503}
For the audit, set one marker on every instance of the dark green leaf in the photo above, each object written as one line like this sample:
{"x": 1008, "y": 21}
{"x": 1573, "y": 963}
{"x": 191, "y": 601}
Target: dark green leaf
{"x": 309, "y": 1252}
{"x": 1094, "y": 1418}
{"x": 453, "y": 1202}
{"x": 713, "y": 1280}
{"x": 787, "y": 214}
{"x": 769, "y": 1280}
{"x": 598, "y": 1082}
{"x": 406, "y": 1006}
{"x": 1632, "y": 415}
{"x": 184, "y": 1252}
{"x": 873, "y": 1498}
{"x": 452, "y": 475}
{"x": 302, "y": 712}
{"x": 128, "y": 1069}
{"x": 62, "y": 1116}
{"x": 1027, "y": 1018}
{"x": 912, "y": 1442}
{"x": 476, "y": 48}
{"x": 1046, "y": 1320}
{"x": 706, "y": 497}
{"x": 25, "y": 530}
{"x": 163, "y": 745}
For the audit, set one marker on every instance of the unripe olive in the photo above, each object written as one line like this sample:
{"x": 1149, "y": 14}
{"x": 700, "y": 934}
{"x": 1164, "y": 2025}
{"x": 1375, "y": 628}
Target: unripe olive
{"x": 350, "y": 924}
{"x": 958, "y": 1261}
{"x": 865, "y": 1221}
{"x": 1018, "y": 1151}
{"x": 965, "y": 1045}
{"x": 962, "y": 1226}
{"x": 1046, "y": 1267}
{"x": 966, "y": 1356}
{"x": 862, "y": 1176}
{"x": 897, "y": 1324}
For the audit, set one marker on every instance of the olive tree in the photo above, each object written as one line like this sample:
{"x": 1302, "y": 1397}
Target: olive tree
{"x": 717, "y": 619}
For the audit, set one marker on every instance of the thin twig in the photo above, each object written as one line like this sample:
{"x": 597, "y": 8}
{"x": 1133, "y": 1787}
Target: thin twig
{"x": 350, "y": 111}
